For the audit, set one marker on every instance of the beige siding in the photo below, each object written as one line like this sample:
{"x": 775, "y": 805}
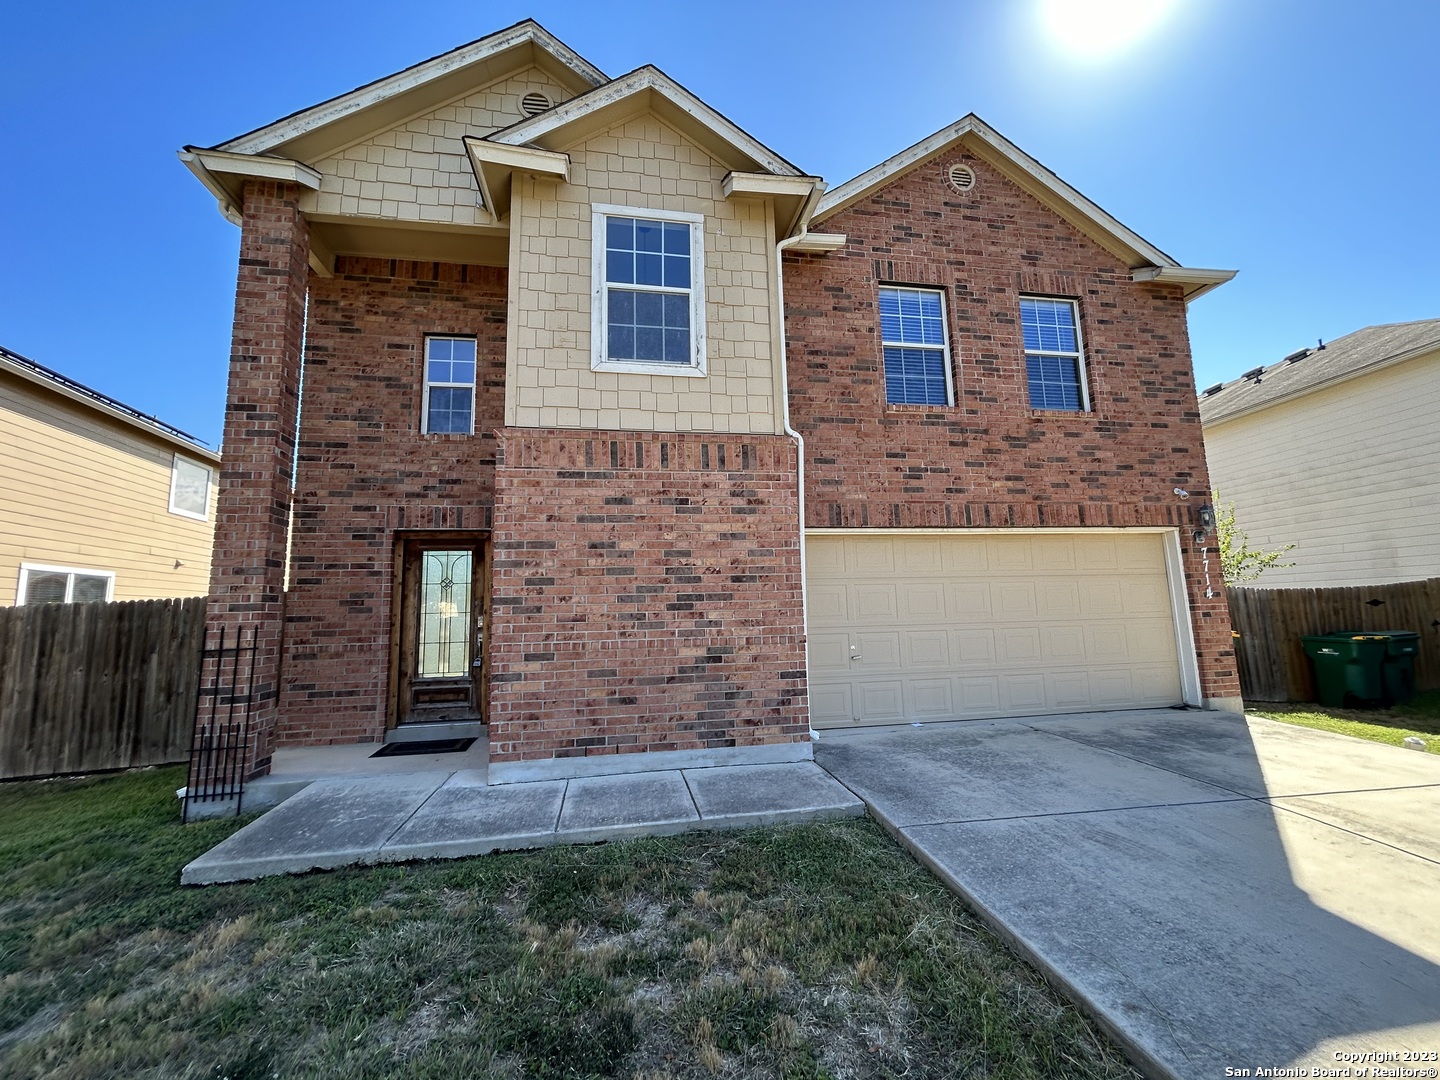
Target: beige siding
{"x": 642, "y": 163}
{"x": 418, "y": 170}
{"x": 82, "y": 491}
{"x": 1350, "y": 474}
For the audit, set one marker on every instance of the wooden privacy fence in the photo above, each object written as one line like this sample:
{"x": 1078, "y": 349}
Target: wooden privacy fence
{"x": 1273, "y": 665}
{"x": 87, "y": 687}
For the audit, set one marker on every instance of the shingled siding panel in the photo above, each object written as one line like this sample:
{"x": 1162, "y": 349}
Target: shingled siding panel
{"x": 366, "y": 471}
{"x": 646, "y": 594}
{"x": 990, "y": 461}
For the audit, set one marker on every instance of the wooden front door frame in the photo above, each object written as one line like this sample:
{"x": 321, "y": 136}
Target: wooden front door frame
{"x": 408, "y": 545}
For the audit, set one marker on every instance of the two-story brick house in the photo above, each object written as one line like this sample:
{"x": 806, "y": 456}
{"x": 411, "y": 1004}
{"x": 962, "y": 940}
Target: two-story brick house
{"x": 606, "y": 407}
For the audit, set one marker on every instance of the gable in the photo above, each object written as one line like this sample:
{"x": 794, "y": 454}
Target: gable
{"x": 418, "y": 170}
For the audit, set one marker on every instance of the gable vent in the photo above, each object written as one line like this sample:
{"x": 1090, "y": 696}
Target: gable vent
{"x": 961, "y": 177}
{"x": 535, "y": 103}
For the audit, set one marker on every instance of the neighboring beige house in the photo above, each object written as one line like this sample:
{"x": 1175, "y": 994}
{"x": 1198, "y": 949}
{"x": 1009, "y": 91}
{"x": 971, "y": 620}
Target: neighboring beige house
{"x": 1335, "y": 450}
{"x": 97, "y": 501}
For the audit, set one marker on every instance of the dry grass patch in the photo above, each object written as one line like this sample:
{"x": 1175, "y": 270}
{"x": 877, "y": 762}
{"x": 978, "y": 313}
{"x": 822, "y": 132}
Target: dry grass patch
{"x": 815, "y": 951}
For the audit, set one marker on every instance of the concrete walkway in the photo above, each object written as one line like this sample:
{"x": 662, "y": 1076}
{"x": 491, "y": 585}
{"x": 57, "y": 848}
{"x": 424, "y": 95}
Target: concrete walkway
{"x": 1221, "y": 892}
{"x": 400, "y": 816}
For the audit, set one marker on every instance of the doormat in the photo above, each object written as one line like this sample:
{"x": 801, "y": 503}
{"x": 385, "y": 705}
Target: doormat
{"x": 424, "y": 746}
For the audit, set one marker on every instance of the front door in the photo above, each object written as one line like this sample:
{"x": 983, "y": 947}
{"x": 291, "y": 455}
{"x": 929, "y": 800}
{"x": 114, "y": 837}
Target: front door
{"x": 442, "y": 631}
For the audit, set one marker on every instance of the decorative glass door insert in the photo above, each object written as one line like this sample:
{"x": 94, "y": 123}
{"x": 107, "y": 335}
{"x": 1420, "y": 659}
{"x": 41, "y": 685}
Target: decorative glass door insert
{"x": 445, "y": 630}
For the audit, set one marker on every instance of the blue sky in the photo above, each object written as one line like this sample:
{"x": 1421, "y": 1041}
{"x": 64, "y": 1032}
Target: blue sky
{"x": 1293, "y": 140}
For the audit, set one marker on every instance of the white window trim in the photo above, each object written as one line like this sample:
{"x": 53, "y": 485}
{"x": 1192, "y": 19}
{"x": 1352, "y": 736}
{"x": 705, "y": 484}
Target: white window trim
{"x": 1078, "y": 357}
{"x": 600, "y": 294}
{"x": 209, "y": 487}
{"x": 945, "y": 348}
{"x": 26, "y": 569}
{"x": 426, "y": 384}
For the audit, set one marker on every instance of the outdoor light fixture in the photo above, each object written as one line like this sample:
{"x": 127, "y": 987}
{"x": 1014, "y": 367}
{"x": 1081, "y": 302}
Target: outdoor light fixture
{"x": 1207, "y": 516}
{"x": 1182, "y": 493}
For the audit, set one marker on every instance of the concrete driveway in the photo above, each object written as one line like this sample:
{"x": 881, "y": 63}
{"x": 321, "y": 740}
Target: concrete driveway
{"x": 1222, "y": 892}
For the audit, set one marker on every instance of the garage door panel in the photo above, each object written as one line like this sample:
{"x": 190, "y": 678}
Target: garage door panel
{"x": 1064, "y": 644}
{"x": 827, "y": 605}
{"x": 870, "y": 556}
{"x": 869, "y": 602}
{"x": 830, "y": 652}
{"x": 925, "y": 649}
{"x": 954, "y": 626}
{"x": 973, "y": 646}
{"x": 1020, "y": 644}
{"x": 969, "y": 602}
{"x": 921, "y": 557}
{"x": 931, "y": 699}
{"x": 1023, "y": 693}
{"x": 1014, "y": 599}
{"x": 882, "y": 700}
{"x": 1058, "y": 599}
{"x": 922, "y": 601}
{"x": 830, "y": 704}
{"x": 1070, "y": 690}
{"x": 879, "y": 651}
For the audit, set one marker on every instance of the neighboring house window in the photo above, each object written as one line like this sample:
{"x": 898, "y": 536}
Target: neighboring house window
{"x": 912, "y": 335}
{"x": 1054, "y": 361}
{"x": 649, "y": 304}
{"x": 449, "y": 407}
{"x": 62, "y": 585}
{"x": 190, "y": 489}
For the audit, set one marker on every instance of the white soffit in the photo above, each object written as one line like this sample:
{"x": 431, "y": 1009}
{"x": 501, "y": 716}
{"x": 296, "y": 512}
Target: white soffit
{"x": 428, "y": 84}
{"x": 495, "y": 164}
{"x": 224, "y": 174}
{"x": 795, "y": 197}
{"x": 622, "y": 92}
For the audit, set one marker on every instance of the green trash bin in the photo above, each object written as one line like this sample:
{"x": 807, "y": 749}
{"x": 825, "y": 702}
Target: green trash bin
{"x": 1348, "y": 664}
{"x": 1367, "y": 668}
{"x": 1399, "y": 671}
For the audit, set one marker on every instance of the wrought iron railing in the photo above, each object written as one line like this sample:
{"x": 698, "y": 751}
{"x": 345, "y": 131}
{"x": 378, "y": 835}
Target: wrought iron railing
{"x": 220, "y": 753}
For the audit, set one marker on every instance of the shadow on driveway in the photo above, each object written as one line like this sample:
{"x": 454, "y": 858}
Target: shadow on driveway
{"x": 1221, "y": 892}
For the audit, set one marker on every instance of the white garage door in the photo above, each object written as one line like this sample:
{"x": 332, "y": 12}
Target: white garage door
{"x": 908, "y": 628}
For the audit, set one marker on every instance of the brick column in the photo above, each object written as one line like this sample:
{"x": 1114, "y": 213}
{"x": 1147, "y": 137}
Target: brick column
{"x": 248, "y": 571}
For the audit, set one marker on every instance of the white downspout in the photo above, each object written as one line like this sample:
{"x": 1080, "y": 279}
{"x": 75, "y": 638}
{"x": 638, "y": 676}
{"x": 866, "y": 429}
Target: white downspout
{"x": 800, "y": 455}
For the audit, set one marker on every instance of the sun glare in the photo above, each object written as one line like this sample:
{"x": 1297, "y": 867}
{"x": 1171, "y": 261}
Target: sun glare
{"x": 1097, "y": 28}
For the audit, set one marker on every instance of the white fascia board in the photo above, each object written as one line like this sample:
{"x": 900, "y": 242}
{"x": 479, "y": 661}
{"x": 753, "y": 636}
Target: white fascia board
{"x": 494, "y": 163}
{"x": 638, "y": 81}
{"x": 291, "y": 127}
{"x": 256, "y": 166}
{"x": 795, "y": 197}
{"x": 868, "y": 181}
{"x": 1197, "y": 282}
{"x": 191, "y": 449}
{"x": 818, "y": 243}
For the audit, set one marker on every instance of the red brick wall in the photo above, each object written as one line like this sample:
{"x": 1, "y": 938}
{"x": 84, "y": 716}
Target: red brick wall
{"x": 247, "y": 573}
{"x": 992, "y": 461}
{"x": 365, "y": 471}
{"x": 646, "y": 594}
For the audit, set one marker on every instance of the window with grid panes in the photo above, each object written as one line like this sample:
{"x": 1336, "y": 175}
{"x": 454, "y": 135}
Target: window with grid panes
{"x": 912, "y": 334}
{"x": 1054, "y": 361}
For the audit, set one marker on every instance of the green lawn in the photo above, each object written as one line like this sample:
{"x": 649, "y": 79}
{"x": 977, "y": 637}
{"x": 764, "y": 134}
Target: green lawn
{"x": 811, "y": 951}
{"x": 1420, "y": 717}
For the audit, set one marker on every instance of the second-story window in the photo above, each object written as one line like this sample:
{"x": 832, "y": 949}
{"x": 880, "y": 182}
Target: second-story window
{"x": 912, "y": 334}
{"x": 648, "y": 297}
{"x": 1054, "y": 361}
{"x": 449, "y": 405}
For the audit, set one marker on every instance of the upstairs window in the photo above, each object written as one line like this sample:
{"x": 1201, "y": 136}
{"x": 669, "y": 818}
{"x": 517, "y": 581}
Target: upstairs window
{"x": 189, "y": 489}
{"x": 912, "y": 335}
{"x": 449, "y": 407}
{"x": 62, "y": 585}
{"x": 1054, "y": 361}
{"x": 649, "y": 282}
